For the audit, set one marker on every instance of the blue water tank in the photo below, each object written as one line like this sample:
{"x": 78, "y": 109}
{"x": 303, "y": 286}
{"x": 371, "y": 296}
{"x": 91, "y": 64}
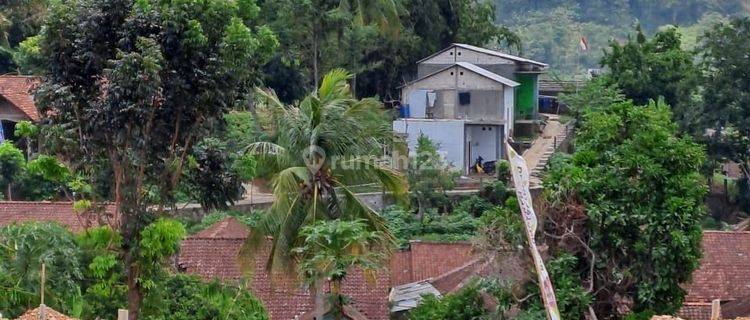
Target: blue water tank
{"x": 404, "y": 111}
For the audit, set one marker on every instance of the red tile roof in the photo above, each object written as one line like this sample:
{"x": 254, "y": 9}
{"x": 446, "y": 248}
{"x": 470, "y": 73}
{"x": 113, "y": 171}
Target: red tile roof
{"x": 61, "y": 212}
{"x": 215, "y": 253}
{"x": 18, "y": 91}
{"x": 225, "y": 229}
{"x": 695, "y": 311}
{"x": 724, "y": 273}
{"x": 49, "y": 314}
{"x": 452, "y": 281}
{"x": 426, "y": 260}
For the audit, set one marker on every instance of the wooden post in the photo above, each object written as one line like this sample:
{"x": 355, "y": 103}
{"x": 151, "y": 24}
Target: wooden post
{"x": 41, "y": 300}
{"x": 716, "y": 309}
{"x": 122, "y": 314}
{"x": 42, "y": 307}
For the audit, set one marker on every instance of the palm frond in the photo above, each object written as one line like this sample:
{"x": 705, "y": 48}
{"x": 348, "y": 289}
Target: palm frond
{"x": 334, "y": 85}
{"x": 364, "y": 169}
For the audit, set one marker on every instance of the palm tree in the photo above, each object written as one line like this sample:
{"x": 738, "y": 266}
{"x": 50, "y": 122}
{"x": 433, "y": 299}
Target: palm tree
{"x": 382, "y": 13}
{"x": 330, "y": 249}
{"x": 315, "y": 153}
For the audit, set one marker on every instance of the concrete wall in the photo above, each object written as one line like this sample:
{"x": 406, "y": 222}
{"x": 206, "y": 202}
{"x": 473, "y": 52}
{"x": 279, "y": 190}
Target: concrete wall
{"x": 487, "y": 96}
{"x": 448, "y": 134}
{"x": 485, "y": 105}
{"x": 11, "y": 113}
{"x": 509, "y": 103}
{"x": 505, "y": 70}
{"x": 498, "y": 65}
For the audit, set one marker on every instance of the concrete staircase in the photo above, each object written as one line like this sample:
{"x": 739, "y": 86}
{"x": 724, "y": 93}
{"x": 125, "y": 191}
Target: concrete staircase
{"x": 538, "y": 156}
{"x": 541, "y": 166}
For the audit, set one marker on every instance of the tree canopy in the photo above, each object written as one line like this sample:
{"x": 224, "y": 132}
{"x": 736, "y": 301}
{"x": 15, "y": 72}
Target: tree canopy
{"x": 633, "y": 195}
{"x": 132, "y": 86}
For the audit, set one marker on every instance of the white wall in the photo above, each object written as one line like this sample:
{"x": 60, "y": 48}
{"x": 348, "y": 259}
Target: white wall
{"x": 449, "y": 134}
{"x": 484, "y": 141}
{"x": 417, "y": 103}
{"x": 510, "y": 110}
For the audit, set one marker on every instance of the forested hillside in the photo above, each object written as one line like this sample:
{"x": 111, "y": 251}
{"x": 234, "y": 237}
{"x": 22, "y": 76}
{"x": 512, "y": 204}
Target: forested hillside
{"x": 551, "y": 30}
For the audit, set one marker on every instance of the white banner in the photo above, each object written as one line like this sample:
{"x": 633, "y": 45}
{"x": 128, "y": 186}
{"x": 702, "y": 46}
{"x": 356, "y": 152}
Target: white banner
{"x": 521, "y": 182}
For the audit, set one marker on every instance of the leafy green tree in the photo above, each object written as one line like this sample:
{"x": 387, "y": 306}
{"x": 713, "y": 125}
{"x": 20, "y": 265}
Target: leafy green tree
{"x": 597, "y": 94}
{"x": 19, "y": 20}
{"x": 28, "y": 56}
{"x": 131, "y": 87}
{"x": 12, "y": 165}
{"x": 572, "y": 298}
{"x": 466, "y": 303}
{"x": 647, "y": 69}
{"x": 476, "y": 25}
{"x": 429, "y": 177}
{"x": 27, "y": 131}
{"x": 23, "y": 249}
{"x": 632, "y": 194}
{"x": 726, "y": 95}
{"x": 331, "y": 248}
{"x": 211, "y": 177}
{"x": 317, "y": 150}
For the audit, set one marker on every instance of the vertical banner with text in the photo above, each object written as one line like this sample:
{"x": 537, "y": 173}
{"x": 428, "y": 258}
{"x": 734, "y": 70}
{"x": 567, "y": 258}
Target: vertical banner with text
{"x": 521, "y": 182}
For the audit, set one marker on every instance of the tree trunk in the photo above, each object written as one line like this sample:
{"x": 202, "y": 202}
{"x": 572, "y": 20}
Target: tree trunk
{"x": 337, "y": 308}
{"x": 134, "y": 290}
{"x": 315, "y": 57}
{"x": 10, "y": 194}
{"x": 319, "y": 299}
{"x": 28, "y": 148}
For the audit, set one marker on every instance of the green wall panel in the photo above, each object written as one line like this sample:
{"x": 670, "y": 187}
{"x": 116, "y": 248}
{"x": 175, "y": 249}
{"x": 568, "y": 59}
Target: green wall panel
{"x": 527, "y": 95}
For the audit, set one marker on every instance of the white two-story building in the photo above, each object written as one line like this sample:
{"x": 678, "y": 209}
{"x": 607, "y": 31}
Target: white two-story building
{"x": 467, "y": 99}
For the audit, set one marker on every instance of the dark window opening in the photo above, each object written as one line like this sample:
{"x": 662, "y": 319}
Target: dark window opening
{"x": 464, "y": 98}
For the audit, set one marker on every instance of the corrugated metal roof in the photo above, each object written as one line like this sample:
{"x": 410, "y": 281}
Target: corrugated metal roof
{"x": 488, "y": 74}
{"x": 473, "y": 68}
{"x": 489, "y": 52}
{"x": 407, "y": 296}
{"x": 500, "y": 54}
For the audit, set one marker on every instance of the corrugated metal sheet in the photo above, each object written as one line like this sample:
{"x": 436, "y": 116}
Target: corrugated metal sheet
{"x": 407, "y": 296}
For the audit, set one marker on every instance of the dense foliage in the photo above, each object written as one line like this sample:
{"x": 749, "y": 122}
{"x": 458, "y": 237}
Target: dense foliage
{"x": 466, "y": 303}
{"x": 632, "y": 194}
{"x": 23, "y": 249}
{"x": 726, "y": 97}
{"x": 651, "y": 68}
{"x": 85, "y": 279}
{"x": 183, "y": 297}
{"x": 551, "y": 30}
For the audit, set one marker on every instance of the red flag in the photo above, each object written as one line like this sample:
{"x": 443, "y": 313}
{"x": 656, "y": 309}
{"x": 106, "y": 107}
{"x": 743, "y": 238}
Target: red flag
{"x": 584, "y": 44}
